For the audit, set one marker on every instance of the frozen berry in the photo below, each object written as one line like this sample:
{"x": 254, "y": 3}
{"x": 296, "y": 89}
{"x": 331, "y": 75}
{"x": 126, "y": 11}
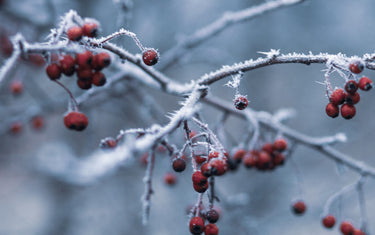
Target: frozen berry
{"x": 239, "y": 155}
{"x": 84, "y": 60}
{"x": 299, "y": 207}
{"x": 278, "y": 159}
{"x": 84, "y": 84}
{"x": 212, "y": 216}
{"x": 170, "y": 178}
{"x": 53, "y": 71}
{"x": 264, "y": 160}
{"x": 241, "y": 102}
{"x": 280, "y": 144}
{"x": 199, "y": 178}
{"x": 84, "y": 73}
{"x": 196, "y": 225}
{"x": 199, "y": 159}
{"x": 365, "y": 83}
{"x": 337, "y": 97}
{"x": 206, "y": 169}
{"x": 329, "y": 221}
{"x": 179, "y": 165}
{"x": 200, "y": 188}
{"x": 90, "y": 30}
{"x": 346, "y": 228}
{"x": 101, "y": 61}
{"x": 356, "y": 67}
{"x": 67, "y": 65}
{"x": 76, "y": 121}
{"x": 211, "y": 229}
{"x": 16, "y": 87}
{"x": 218, "y": 167}
{"x": 351, "y": 86}
{"x": 332, "y": 110}
{"x": 150, "y": 57}
{"x": 98, "y": 79}
{"x": 352, "y": 99}
{"x": 348, "y": 111}
{"x": 75, "y": 33}
{"x": 250, "y": 160}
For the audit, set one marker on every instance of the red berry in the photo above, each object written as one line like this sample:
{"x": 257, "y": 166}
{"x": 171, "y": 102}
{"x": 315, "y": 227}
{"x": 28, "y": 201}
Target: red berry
{"x": 150, "y": 57}
{"x": 16, "y": 128}
{"x": 170, "y": 178}
{"x": 358, "y": 232}
{"x": 75, "y": 33}
{"x": 332, "y": 110}
{"x": 37, "y": 122}
{"x": 196, "y": 225}
{"x": 84, "y": 84}
{"x": 101, "y": 61}
{"x": 16, "y": 87}
{"x": 199, "y": 159}
{"x": 206, "y": 169}
{"x": 352, "y": 99}
{"x": 67, "y": 64}
{"x": 264, "y": 160}
{"x": 250, "y": 160}
{"x": 76, "y": 121}
{"x": 278, "y": 159}
{"x": 348, "y": 111}
{"x": 179, "y": 165}
{"x": 212, "y": 216}
{"x": 329, "y": 221}
{"x": 198, "y": 178}
{"x": 53, "y": 71}
{"x": 241, "y": 102}
{"x": 200, "y": 188}
{"x": 239, "y": 155}
{"x": 299, "y": 207}
{"x": 99, "y": 79}
{"x": 346, "y": 228}
{"x": 84, "y": 60}
{"x": 356, "y": 67}
{"x": 84, "y": 73}
{"x": 90, "y": 30}
{"x": 351, "y": 86}
{"x": 280, "y": 144}
{"x": 211, "y": 155}
{"x": 211, "y": 229}
{"x": 365, "y": 83}
{"x": 218, "y": 167}
{"x": 108, "y": 143}
{"x": 337, "y": 97}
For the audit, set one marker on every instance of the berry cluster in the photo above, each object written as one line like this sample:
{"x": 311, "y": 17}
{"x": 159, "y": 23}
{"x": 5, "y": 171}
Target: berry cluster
{"x": 87, "y": 66}
{"x": 197, "y": 223}
{"x": 350, "y": 96}
{"x": 269, "y": 157}
{"x": 89, "y": 29}
{"x": 346, "y": 227}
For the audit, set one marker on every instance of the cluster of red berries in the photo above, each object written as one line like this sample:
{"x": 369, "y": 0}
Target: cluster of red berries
{"x": 197, "y": 223}
{"x": 241, "y": 102}
{"x": 349, "y": 98}
{"x": 269, "y": 157}
{"x": 346, "y": 227}
{"x": 87, "y": 66}
{"x": 89, "y": 29}
{"x": 76, "y": 121}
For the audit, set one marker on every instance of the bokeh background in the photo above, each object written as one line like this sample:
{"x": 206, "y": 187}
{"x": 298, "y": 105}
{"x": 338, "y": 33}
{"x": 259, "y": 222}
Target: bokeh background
{"x": 253, "y": 202}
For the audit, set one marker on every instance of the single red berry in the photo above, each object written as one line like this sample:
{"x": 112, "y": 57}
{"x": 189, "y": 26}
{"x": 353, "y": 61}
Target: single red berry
{"x": 37, "y": 122}
{"x": 200, "y": 188}
{"x": 90, "y": 30}
{"x": 332, "y": 110}
{"x": 76, "y": 121}
{"x": 299, "y": 207}
{"x": 250, "y": 160}
{"x": 358, "y": 232}
{"x": 351, "y": 86}
{"x": 108, "y": 143}
{"x": 67, "y": 65}
{"x": 268, "y": 147}
{"x": 84, "y": 84}
{"x": 346, "y": 228}
{"x": 75, "y": 33}
{"x": 84, "y": 60}
{"x": 280, "y": 144}
{"x": 198, "y": 178}
{"x": 356, "y": 67}
{"x": 211, "y": 229}
{"x": 16, "y": 87}
{"x": 53, "y": 71}
{"x": 98, "y": 79}
{"x": 264, "y": 160}
{"x": 241, "y": 102}
{"x": 150, "y": 57}
{"x": 352, "y": 99}
{"x": 84, "y": 73}
{"x": 365, "y": 84}
{"x": 212, "y": 216}
{"x": 337, "y": 97}
{"x": 218, "y": 167}
{"x": 101, "y": 61}
{"x": 329, "y": 221}
{"x": 348, "y": 111}
{"x": 206, "y": 169}
{"x": 16, "y": 128}
{"x": 170, "y": 178}
{"x": 278, "y": 159}
{"x": 239, "y": 155}
{"x": 199, "y": 159}
{"x": 196, "y": 225}
{"x": 179, "y": 165}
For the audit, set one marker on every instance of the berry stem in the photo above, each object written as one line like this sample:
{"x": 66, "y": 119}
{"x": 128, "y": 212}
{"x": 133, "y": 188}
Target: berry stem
{"x": 362, "y": 203}
{"x": 75, "y": 104}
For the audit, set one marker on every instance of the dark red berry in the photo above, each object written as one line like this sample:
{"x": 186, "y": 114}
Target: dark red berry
{"x": 299, "y": 207}
{"x": 76, "y": 121}
{"x": 241, "y": 102}
{"x": 337, "y": 97}
{"x": 200, "y": 188}
{"x": 90, "y": 30}
{"x": 16, "y": 87}
{"x": 179, "y": 165}
{"x": 352, "y": 99}
{"x": 206, "y": 169}
{"x": 211, "y": 229}
{"x": 198, "y": 178}
{"x": 351, "y": 86}
{"x": 329, "y": 221}
{"x": 356, "y": 67}
{"x": 53, "y": 71}
{"x": 348, "y": 111}
{"x": 250, "y": 160}
{"x": 280, "y": 144}
{"x": 199, "y": 159}
{"x": 358, "y": 232}
{"x": 346, "y": 228}
{"x": 196, "y": 225}
{"x": 170, "y": 178}
{"x": 98, "y": 79}
{"x": 67, "y": 65}
{"x": 278, "y": 159}
{"x": 150, "y": 57}
{"x": 84, "y": 84}
{"x": 218, "y": 167}
{"x": 84, "y": 60}
{"x": 84, "y": 73}
{"x": 212, "y": 216}
{"x": 239, "y": 155}
{"x": 101, "y": 61}
{"x": 37, "y": 122}
{"x": 365, "y": 83}
{"x": 264, "y": 160}
{"x": 332, "y": 110}
{"x": 75, "y": 33}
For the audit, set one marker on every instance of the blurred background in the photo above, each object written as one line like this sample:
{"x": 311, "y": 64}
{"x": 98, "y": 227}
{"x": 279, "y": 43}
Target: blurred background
{"x": 252, "y": 202}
